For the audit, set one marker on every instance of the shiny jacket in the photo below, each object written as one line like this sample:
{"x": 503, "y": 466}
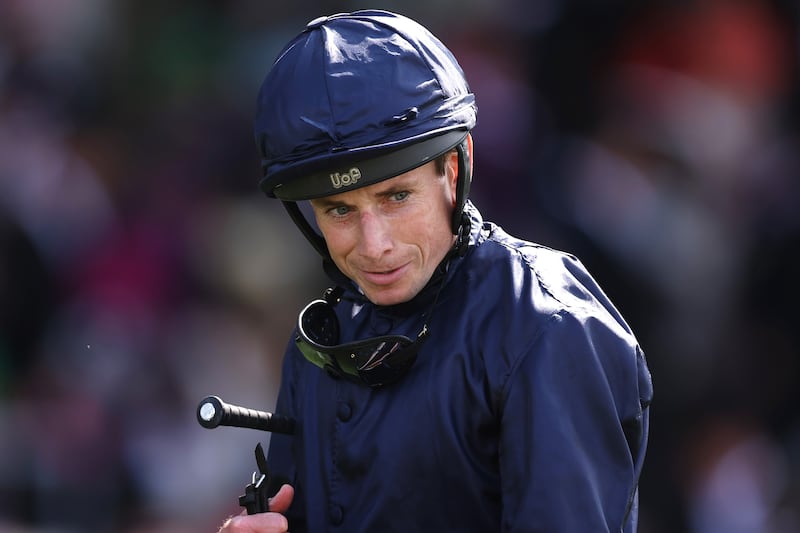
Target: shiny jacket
{"x": 526, "y": 409}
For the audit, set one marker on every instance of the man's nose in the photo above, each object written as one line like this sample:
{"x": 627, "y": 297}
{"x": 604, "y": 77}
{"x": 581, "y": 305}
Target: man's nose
{"x": 376, "y": 239}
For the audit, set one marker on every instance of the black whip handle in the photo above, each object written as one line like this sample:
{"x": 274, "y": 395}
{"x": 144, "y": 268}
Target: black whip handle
{"x": 213, "y": 412}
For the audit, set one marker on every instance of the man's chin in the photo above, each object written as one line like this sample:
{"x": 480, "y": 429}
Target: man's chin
{"x": 386, "y": 296}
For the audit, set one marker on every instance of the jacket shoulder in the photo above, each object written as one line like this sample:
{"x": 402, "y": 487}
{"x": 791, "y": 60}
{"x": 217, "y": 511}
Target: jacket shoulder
{"x": 538, "y": 281}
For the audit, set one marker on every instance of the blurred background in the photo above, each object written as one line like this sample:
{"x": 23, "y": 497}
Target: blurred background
{"x": 141, "y": 269}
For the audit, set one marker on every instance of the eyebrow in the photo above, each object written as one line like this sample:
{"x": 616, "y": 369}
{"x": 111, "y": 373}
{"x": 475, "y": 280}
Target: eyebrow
{"x": 406, "y": 183}
{"x": 326, "y": 203}
{"x": 393, "y": 189}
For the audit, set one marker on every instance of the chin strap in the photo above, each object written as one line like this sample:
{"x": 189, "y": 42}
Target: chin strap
{"x": 462, "y": 185}
{"x": 312, "y": 236}
{"x": 462, "y": 238}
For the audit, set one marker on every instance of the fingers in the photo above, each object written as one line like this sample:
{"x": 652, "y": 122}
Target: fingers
{"x": 256, "y": 523}
{"x": 271, "y": 522}
{"x": 282, "y": 500}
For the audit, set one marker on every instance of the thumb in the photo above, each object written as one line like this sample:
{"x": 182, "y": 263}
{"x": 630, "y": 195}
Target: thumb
{"x": 282, "y": 500}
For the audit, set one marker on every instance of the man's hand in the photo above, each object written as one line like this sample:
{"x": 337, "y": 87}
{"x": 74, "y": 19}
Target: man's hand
{"x": 271, "y": 522}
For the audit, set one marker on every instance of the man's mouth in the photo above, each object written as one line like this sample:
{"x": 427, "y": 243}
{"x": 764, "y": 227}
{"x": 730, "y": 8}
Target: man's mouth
{"x": 384, "y": 276}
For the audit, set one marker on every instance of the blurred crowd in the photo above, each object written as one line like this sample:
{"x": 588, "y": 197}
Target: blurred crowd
{"x": 141, "y": 269}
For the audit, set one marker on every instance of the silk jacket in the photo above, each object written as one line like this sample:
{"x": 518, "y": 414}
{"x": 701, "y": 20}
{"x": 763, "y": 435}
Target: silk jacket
{"x": 526, "y": 409}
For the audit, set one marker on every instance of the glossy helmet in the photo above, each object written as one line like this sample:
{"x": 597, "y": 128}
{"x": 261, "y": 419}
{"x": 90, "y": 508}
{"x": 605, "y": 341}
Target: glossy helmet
{"x": 357, "y": 98}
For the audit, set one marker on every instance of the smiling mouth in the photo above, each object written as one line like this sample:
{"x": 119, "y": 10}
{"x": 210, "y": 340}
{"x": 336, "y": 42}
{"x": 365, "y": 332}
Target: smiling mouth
{"x": 383, "y": 277}
{"x": 380, "y": 273}
{"x": 389, "y": 271}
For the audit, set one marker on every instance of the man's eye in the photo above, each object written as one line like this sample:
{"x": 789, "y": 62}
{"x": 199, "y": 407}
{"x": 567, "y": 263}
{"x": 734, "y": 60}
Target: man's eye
{"x": 340, "y": 210}
{"x": 399, "y": 196}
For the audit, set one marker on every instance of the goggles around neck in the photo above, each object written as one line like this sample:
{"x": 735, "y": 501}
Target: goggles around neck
{"x": 375, "y": 361}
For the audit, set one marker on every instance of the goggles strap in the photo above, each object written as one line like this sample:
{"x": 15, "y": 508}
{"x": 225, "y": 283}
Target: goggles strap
{"x": 333, "y": 295}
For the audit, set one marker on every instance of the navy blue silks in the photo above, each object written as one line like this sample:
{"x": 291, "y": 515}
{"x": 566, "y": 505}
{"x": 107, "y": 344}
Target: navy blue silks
{"x": 526, "y": 409}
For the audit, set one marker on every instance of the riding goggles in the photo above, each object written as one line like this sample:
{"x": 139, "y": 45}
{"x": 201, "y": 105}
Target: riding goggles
{"x": 374, "y": 361}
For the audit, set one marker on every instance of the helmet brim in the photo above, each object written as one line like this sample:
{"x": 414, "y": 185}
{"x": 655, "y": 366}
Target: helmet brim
{"x": 349, "y": 171}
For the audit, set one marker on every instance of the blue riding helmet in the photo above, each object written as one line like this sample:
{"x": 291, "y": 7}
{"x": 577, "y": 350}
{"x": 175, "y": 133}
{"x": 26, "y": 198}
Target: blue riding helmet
{"x": 358, "y": 98}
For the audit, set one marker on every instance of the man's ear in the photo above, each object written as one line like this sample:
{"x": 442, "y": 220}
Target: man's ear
{"x": 452, "y": 174}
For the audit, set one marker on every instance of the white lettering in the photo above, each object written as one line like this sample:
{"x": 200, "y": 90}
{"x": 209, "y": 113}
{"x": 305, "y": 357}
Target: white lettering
{"x": 345, "y": 179}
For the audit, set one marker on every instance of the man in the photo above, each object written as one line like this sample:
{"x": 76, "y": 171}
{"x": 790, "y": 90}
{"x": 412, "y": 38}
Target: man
{"x": 454, "y": 378}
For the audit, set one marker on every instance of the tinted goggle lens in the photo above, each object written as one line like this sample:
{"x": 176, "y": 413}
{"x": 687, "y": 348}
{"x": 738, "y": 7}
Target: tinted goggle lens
{"x": 318, "y": 323}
